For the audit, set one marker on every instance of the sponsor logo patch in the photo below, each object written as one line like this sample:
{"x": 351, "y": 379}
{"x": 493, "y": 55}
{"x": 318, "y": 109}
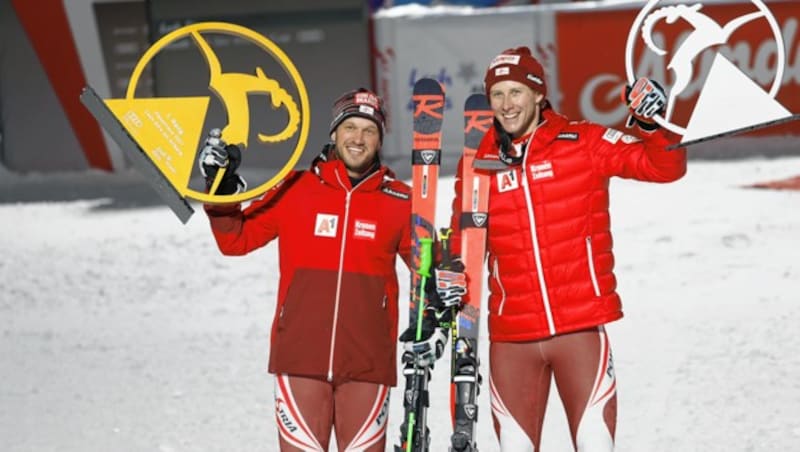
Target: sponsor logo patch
{"x": 428, "y": 156}
{"x": 504, "y": 59}
{"x": 395, "y": 193}
{"x": 502, "y": 71}
{"x": 507, "y": 181}
{"x": 365, "y": 229}
{"x": 367, "y": 98}
{"x": 470, "y": 410}
{"x": 612, "y": 136}
{"x": 628, "y": 139}
{"x": 535, "y": 79}
{"x": 326, "y": 225}
{"x": 479, "y": 219}
{"x": 571, "y": 136}
{"x": 542, "y": 170}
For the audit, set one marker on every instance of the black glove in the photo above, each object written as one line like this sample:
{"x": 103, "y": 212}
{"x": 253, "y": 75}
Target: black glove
{"x": 444, "y": 292}
{"x": 645, "y": 99}
{"x": 430, "y": 346}
{"x": 449, "y": 286}
{"x": 217, "y": 154}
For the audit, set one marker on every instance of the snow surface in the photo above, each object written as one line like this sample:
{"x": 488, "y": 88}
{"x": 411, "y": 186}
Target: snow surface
{"x": 124, "y": 330}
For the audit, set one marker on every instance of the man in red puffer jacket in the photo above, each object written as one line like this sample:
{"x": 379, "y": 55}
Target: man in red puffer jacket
{"x": 552, "y": 286}
{"x": 341, "y": 226}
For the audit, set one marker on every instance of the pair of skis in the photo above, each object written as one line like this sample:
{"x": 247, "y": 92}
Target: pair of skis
{"x": 426, "y": 156}
{"x": 428, "y": 100}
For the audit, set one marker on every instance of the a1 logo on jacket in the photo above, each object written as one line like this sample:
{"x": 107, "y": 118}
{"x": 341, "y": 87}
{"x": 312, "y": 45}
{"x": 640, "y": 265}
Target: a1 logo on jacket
{"x": 326, "y": 225}
{"x": 507, "y": 181}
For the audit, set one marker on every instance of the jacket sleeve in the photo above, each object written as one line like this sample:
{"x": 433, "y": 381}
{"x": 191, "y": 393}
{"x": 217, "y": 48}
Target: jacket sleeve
{"x": 238, "y": 231}
{"x": 404, "y": 247}
{"x": 645, "y": 159}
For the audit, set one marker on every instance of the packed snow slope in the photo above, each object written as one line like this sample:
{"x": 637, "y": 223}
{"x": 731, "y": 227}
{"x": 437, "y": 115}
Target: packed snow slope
{"x": 124, "y": 330}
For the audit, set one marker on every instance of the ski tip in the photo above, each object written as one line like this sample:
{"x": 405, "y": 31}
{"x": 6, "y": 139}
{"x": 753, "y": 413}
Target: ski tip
{"x": 477, "y": 101}
{"x": 478, "y": 118}
{"x": 428, "y": 101}
{"x": 428, "y": 86}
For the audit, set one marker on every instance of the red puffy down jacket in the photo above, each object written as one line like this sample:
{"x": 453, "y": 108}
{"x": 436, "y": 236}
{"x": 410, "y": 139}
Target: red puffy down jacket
{"x": 336, "y": 316}
{"x": 550, "y": 248}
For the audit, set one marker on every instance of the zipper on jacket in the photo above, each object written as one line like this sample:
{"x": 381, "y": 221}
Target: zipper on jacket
{"x": 338, "y": 285}
{"x": 340, "y": 274}
{"x": 534, "y": 239}
{"x": 590, "y": 256}
{"x": 496, "y": 272}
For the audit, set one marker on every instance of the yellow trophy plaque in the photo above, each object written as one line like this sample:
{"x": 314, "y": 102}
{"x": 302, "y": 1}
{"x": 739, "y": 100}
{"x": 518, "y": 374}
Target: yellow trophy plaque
{"x": 161, "y": 136}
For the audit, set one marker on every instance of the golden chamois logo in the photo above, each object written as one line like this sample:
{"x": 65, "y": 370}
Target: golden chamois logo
{"x": 165, "y": 132}
{"x": 232, "y": 88}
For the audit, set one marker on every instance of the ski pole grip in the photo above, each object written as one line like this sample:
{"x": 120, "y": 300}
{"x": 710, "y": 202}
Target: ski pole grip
{"x": 425, "y": 256}
{"x": 424, "y": 270}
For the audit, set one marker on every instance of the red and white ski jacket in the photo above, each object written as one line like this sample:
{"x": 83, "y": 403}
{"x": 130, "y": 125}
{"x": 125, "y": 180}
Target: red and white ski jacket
{"x": 549, "y": 240}
{"x": 336, "y": 316}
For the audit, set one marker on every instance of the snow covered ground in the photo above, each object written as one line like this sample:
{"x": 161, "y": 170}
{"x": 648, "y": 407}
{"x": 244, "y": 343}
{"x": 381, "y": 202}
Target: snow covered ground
{"x": 123, "y": 330}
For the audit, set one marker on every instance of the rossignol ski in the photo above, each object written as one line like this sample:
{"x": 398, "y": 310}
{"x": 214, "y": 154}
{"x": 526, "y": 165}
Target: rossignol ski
{"x": 474, "y": 219}
{"x": 428, "y": 101}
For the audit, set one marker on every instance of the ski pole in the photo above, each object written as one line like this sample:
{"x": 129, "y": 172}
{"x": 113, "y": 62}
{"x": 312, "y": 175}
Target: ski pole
{"x": 728, "y": 133}
{"x": 426, "y": 258}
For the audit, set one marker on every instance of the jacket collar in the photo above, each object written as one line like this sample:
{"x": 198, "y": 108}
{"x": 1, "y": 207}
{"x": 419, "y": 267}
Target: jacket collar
{"x": 488, "y": 156}
{"x": 333, "y": 172}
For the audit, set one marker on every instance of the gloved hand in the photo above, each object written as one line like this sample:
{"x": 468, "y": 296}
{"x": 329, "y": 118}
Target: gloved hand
{"x": 217, "y": 154}
{"x": 645, "y": 99}
{"x": 444, "y": 292}
{"x": 449, "y": 286}
{"x": 430, "y": 347}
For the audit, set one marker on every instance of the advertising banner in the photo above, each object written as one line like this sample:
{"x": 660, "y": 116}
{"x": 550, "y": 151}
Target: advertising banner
{"x": 592, "y": 71}
{"x": 584, "y": 48}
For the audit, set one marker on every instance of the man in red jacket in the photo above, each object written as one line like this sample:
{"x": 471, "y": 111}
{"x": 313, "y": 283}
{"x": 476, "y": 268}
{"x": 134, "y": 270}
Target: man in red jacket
{"x": 341, "y": 226}
{"x": 552, "y": 286}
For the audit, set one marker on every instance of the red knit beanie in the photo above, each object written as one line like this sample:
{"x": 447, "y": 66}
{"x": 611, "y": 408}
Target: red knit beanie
{"x": 359, "y": 102}
{"x": 518, "y": 65}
